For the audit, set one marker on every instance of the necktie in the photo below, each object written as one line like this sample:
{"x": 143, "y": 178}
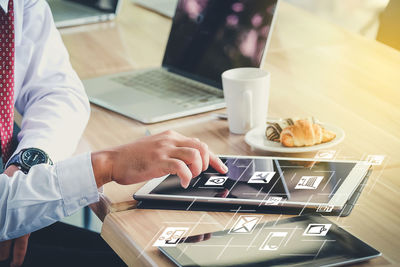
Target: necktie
{"x": 6, "y": 79}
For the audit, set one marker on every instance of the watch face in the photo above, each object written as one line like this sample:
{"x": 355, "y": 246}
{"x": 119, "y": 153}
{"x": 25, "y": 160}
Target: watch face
{"x": 32, "y": 157}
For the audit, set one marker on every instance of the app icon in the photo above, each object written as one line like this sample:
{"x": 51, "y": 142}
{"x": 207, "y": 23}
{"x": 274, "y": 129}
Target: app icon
{"x": 261, "y": 177}
{"x": 216, "y": 180}
{"x": 375, "y": 159}
{"x": 170, "y": 237}
{"x": 245, "y": 224}
{"x": 325, "y": 208}
{"x": 273, "y": 241}
{"x": 309, "y": 182}
{"x": 316, "y": 229}
{"x": 273, "y": 201}
{"x": 325, "y": 154}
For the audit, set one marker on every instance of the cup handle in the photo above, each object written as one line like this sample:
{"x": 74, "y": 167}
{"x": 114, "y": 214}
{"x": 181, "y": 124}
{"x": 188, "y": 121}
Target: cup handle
{"x": 248, "y": 100}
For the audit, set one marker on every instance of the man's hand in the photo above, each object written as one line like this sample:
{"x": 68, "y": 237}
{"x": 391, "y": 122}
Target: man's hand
{"x": 155, "y": 156}
{"x": 11, "y": 170}
{"x": 19, "y": 244}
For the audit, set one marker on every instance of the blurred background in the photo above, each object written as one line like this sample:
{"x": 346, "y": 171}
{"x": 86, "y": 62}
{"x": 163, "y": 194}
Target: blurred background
{"x": 373, "y": 19}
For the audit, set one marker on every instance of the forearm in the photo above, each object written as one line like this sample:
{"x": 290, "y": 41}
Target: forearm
{"x": 45, "y": 195}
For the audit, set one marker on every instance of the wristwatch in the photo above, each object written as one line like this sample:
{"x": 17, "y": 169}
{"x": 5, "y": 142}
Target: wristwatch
{"x": 29, "y": 157}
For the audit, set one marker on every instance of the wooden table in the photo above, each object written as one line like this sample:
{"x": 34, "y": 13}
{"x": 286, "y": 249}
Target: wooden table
{"x": 317, "y": 70}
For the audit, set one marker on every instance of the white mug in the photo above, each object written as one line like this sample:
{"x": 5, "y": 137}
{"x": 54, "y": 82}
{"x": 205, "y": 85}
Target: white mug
{"x": 246, "y": 92}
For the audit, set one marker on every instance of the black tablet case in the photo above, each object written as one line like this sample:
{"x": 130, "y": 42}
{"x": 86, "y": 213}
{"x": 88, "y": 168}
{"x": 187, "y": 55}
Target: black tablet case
{"x": 223, "y": 207}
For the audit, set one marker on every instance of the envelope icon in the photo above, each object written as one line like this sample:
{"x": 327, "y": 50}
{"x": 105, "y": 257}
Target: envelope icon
{"x": 245, "y": 224}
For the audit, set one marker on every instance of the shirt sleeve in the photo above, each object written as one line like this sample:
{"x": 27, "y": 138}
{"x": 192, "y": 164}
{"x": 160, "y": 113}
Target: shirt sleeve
{"x": 46, "y": 194}
{"x": 52, "y": 99}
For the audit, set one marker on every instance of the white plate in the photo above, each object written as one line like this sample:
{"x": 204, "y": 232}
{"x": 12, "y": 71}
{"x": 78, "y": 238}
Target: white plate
{"x": 256, "y": 138}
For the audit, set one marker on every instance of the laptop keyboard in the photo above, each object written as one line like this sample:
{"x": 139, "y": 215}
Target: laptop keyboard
{"x": 64, "y": 10}
{"x": 173, "y": 88}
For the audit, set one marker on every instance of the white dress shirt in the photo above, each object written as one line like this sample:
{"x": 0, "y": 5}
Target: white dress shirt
{"x": 55, "y": 110}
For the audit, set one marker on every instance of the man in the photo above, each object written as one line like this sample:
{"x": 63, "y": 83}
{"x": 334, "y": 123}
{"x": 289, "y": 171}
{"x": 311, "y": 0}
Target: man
{"x": 36, "y": 75}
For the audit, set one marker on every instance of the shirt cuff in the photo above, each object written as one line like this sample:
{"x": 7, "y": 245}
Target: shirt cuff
{"x": 77, "y": 183}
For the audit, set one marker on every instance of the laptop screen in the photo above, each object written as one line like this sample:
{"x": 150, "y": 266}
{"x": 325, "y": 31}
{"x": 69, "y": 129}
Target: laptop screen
{"x": 102, "y": 5}
{"x": 210, "y": 36}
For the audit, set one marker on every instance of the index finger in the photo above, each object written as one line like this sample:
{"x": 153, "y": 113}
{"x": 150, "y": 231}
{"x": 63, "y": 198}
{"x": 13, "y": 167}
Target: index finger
{"x": 217, "y": 164}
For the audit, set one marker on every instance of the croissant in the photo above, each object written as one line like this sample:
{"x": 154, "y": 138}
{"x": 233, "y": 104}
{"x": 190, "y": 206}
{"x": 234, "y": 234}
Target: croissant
{"x": 305, "y": 133}
{"x": 274, "y": 129}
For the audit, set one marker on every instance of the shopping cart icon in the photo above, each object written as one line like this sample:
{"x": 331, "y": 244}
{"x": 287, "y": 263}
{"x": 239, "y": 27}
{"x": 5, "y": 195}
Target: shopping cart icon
{"x": 309, "y": 182}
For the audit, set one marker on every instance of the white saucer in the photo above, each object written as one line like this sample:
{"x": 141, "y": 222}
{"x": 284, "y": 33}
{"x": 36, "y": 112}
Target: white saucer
{"x": 256, "y": 138}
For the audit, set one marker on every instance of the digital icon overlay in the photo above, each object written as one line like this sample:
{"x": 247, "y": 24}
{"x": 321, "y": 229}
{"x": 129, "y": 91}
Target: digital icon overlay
{"x": 325, "y": 154}
{"x": 324, "y": 208}
{"x": 170, "y": 237}
{"x": 216, "y": 180}
{"x": 273, "y": 241}
{"x": 375, "y": 159}
{"x": 309, "y": 182}
{"x": 261, "y": 177}
{"x": 245, "y": 224}
{"x": 317, "y": 229}
{"x": 273, "y": 201}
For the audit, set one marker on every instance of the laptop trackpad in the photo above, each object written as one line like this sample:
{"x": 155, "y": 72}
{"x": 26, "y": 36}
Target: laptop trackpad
{"x": 134, "y": 104}
{"x": 122, "y": 97}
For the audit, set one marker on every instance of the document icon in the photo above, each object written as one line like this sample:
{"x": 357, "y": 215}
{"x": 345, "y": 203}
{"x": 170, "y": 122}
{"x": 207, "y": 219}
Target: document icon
{"x": 170, "y": 237}
{"x": 273, "y": 241}
{"x": 245, "y": 224}
{"x": 309, "y": 182}
{"x": 317, "y": 229}
{"x": 261, "y": 177}
{"x": 216, "y": 180}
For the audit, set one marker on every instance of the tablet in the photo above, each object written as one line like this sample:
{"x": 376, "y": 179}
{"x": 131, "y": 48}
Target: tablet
{"x": 291, "y": 182}
{"x": 298, "y": 241}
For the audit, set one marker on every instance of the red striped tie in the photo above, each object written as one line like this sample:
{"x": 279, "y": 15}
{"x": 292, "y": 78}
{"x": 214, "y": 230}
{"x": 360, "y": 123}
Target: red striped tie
{"x": 6, "y": 79}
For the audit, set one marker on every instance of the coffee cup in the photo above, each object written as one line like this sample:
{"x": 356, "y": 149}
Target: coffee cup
{"x": 246, "y": 92}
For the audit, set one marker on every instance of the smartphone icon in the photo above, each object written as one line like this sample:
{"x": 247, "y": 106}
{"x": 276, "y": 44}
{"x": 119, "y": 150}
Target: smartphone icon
{"x": 273, "y": 241}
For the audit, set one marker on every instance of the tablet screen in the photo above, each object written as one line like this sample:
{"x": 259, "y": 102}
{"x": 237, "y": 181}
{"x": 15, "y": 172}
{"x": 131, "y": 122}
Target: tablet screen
{"x": 262, "y": 178}
{"x": 299, "y": 241}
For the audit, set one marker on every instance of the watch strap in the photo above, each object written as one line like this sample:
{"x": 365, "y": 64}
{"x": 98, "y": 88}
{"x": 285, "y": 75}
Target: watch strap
{"x": 13, "y": 161}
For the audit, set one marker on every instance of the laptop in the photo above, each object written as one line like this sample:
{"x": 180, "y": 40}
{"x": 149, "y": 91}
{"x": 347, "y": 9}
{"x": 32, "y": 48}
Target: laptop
{"x": 76, "y": 12}
{"x": 206, "y": 38}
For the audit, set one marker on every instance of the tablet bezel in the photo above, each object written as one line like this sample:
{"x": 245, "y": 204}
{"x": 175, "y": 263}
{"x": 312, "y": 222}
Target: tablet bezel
{"x": 343, "y": 193}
